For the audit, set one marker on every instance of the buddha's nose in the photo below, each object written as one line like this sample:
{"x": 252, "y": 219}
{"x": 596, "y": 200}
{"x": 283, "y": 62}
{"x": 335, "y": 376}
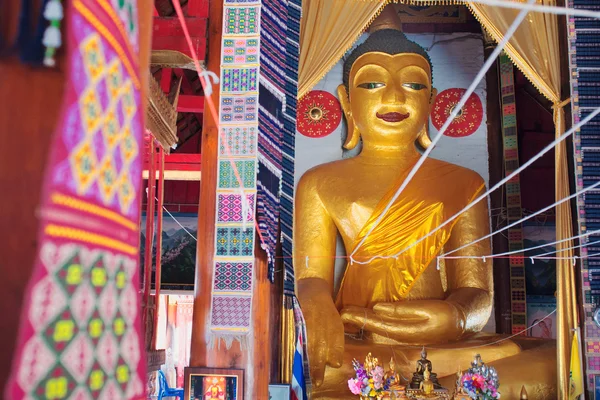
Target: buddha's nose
{"x": 393, "y": 94}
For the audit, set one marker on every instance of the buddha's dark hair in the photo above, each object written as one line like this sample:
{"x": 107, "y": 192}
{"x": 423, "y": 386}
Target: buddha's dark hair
{"x": 388, "y": 41}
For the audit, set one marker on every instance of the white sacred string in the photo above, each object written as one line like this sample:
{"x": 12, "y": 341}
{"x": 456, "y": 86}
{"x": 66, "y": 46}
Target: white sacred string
{"x": 492, "y": 256}
{"x": 543, "y": 210}
{"x": 177, "y": 221}
{"x": 583, "y": 245}
{"x": 480, "y": 75}
{"x": 509, "y": 253}
{"x": 499, "y": 184}
{"x": 471, "y": 347}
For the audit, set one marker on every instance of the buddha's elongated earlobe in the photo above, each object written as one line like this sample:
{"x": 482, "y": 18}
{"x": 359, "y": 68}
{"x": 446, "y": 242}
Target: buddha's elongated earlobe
{"x": 353, "y": 132}
{"x": 423, "y": 139}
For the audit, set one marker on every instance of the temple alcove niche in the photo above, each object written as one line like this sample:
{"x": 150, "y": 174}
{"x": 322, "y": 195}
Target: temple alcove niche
{"x": 221, "y": 210}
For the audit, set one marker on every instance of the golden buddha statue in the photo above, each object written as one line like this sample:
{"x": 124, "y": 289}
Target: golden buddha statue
{"x": 386, "y": 98}
{"x": 397, "y": 390}
{"x": 426, "y": 386}
{"x": 459, "y": 391}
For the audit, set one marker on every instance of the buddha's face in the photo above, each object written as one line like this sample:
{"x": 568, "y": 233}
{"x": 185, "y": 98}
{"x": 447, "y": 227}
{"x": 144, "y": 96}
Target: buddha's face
{"x": 389, "y": 97}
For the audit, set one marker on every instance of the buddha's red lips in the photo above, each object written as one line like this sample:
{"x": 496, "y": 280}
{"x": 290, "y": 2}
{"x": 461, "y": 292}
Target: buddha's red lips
{"x": 393, "y": 116}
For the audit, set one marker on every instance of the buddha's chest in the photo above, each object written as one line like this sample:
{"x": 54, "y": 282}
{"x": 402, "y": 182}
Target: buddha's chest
{"x": 352, "y": 202}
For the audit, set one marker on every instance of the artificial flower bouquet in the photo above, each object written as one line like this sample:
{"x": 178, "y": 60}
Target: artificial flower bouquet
{"x": 478, "y": 387}
{"x": 480, "y": 382}
{"x": 372, "y": 382}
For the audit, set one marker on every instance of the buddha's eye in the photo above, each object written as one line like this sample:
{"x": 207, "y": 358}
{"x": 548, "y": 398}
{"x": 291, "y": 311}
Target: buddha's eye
{"x": 414, "y": 86}
{"x": 371, "y": 85}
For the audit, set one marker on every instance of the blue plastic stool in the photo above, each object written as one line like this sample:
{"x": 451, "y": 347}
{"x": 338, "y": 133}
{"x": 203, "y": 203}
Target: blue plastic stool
{"x": 164, "y": 390}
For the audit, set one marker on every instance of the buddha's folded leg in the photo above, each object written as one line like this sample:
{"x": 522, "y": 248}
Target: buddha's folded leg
{"x": 507, "y": 356}
{"x": 534, "y": 368}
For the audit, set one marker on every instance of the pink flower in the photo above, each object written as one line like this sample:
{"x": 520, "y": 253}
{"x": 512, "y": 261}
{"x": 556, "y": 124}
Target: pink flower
{"x": 355, "y": 386}
{"x": 478, "y": 381}
{"x": 377, "y": 373}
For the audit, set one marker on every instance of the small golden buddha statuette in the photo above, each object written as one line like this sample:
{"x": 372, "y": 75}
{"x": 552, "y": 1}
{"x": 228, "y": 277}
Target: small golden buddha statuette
{"x": 426, "y": 385}
{"x": 459, "y": 392}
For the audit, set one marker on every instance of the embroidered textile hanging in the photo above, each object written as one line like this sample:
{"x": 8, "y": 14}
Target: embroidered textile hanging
{"x": 584, "y": 51}
{"x": 80, "y": 332}
{"x": 270, "y": 123}
{"x": 518, "y": 301}
{"x": 231, "y": 308}
{"x": 294, "y": 8}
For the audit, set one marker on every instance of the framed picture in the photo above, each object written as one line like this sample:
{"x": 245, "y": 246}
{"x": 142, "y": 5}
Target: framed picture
{"x": 279, "y": 392}
{"x": 178, "y": 251}
{"x": 542, "y": 325}
{"x": 213, "y": 384}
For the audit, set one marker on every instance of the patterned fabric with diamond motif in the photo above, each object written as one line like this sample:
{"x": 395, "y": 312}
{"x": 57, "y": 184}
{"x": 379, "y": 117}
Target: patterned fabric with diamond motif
{"x": 240, "y": 80}
{"x": 236, "y": 109}
{"x": 236, "y": 185}
{"x": 231, "y": 209}
{"x": 80, "y": 333}
{"x": 242, "y": 20}
{"x": 246, "y": 170}
{"x": 240, "y": 51}
{"x": 234, "y": 241}
{"x": 241, "y": 141}
{"x": 232, "y": 276}
{"x": 231, "y": 312}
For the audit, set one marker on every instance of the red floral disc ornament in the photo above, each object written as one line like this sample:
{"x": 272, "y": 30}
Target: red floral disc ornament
{"x": 319, "y": 114}
{"x": 467, "y": 120}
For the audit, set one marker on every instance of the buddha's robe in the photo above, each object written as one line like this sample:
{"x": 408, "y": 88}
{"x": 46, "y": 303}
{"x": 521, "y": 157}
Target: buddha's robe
{"x": 432, "y": 196}
{"x": 437, "y": 192}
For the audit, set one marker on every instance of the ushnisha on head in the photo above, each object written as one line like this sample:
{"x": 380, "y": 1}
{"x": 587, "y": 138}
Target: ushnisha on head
{"x": 387, "y": 90}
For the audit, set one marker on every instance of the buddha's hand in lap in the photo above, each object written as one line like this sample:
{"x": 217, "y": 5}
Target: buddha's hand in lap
{"x": 411, "y": 322}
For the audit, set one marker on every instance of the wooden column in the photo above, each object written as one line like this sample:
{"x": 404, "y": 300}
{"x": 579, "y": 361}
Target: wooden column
{"x": 30, "y": 102}
{"x": 254, "y": 360}
{"x": 496, "y": 163}
{"x": 159, "y": 230}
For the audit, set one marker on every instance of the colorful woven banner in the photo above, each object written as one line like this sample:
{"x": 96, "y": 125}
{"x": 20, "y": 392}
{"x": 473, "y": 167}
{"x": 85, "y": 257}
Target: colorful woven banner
{"x": 294, "y": 11}
{"x": 514, "y": 213}
{"x": 231, "y": 308}
{"x": 584, "y": 56}
{"x": 270, "y": 123}
{"x": 280, "y": 52}
{"x": 80, "y": 334}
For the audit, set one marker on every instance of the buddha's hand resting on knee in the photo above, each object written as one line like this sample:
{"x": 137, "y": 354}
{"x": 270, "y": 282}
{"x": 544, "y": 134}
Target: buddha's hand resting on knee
{"x": 324, "y": 328}
{"x": 410, "y": 322}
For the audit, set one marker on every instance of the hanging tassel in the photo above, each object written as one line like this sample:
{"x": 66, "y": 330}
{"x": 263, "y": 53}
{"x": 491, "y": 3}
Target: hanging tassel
{"x": 52, "y": 40}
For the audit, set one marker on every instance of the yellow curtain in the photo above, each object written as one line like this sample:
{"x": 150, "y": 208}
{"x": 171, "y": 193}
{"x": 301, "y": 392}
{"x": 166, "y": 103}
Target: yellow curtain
{"x": 327, "y": 30}
{"x": 535, "y": 51}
